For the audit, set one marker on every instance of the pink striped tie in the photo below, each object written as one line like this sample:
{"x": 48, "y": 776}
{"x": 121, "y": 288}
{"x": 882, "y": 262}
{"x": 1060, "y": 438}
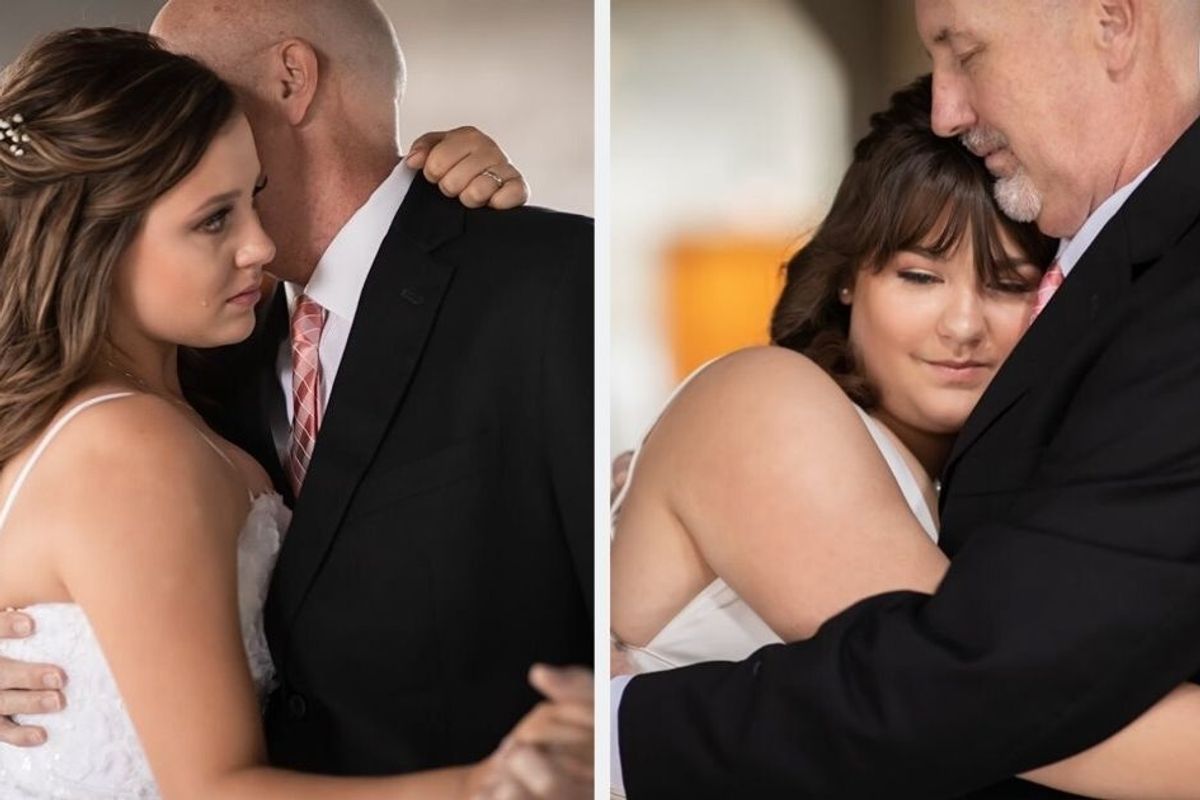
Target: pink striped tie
{"x": 307, "y": 320}
{"x": 1046, "y": 289}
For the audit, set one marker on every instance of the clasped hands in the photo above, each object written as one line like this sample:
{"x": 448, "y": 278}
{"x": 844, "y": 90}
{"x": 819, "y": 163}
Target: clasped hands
{"x": 549, "y": 754}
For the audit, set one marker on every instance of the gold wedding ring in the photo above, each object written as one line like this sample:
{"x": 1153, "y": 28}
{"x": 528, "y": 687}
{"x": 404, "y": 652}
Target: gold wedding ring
{"x": 491, "y": 174}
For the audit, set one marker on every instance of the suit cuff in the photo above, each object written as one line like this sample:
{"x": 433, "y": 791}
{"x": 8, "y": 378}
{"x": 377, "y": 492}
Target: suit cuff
{"x": 616, "y": 778}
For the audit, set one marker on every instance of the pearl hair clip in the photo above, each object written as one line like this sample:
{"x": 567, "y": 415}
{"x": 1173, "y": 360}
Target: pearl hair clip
{"x": 12, "y": 134}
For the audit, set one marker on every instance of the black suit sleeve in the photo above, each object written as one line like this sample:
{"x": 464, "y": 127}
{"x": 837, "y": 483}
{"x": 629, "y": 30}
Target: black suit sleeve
{"x": 1055, "y": 626}
{"x": 567, "y": 377}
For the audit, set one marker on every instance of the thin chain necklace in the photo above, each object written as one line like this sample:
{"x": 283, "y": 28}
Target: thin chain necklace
{"x": 141, "y": 384}
{"x": 191, "y": 413}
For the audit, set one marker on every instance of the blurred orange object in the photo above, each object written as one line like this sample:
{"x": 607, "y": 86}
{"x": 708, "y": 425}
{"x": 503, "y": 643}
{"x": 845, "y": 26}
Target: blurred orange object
{"x": 720, "y": 293}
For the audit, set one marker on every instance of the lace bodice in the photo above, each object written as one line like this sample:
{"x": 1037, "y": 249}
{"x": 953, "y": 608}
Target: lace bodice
{"x": 93, "y": 751}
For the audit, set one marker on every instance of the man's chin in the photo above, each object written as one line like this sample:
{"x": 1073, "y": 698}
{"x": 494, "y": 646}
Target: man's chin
{"x": 1061, "y": 221}
{"x": 1018, "y": 199}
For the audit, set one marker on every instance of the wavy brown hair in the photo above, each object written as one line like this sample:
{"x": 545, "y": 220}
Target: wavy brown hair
{"x": 906, "y": 185}
{"x": 114, "y": 121}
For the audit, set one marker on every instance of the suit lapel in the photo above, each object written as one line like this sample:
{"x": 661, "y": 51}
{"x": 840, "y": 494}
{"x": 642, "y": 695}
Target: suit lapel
{"x": 396, "y": 312}
{"x": 1152, "y": 220}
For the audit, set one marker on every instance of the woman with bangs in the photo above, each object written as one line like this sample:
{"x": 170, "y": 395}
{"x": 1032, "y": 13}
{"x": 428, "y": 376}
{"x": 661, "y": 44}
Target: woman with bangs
{"x": 784, "y": 483}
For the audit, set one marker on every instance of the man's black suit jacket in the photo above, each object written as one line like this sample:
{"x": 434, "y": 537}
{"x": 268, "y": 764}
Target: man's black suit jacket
{"x": 442, "y": 541}
{"x": 1071, "y": 509}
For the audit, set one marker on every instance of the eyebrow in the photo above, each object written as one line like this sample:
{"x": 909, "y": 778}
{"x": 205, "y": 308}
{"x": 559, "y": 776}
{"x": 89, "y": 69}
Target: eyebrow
{"x": 220, "y": 199}
{"x": 230, "y": 196}
{"x": 944, "y": 35}
{"x": 926, "y": 252}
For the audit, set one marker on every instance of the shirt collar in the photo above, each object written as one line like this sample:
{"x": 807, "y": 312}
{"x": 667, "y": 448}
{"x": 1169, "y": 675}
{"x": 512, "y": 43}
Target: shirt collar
{"x": 338, "y": 279}
{"x": 1072, "y": 249}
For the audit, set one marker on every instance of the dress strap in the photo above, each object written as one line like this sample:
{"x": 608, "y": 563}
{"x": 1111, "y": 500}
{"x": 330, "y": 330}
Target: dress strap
{"x": 223, "y": 456}
{"x": 45, "y": 441}
{"x": 910, "y": 487}
{"x": 215, "y": 448}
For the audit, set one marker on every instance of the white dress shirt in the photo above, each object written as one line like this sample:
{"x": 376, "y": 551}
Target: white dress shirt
{"x": 1069, "y": 252}
{"x": 337, "y": 284}
{"x": 1072, "y": 249}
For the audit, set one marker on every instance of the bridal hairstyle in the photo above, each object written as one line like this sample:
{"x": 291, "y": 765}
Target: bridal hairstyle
{"x": 113, "y": 122}
{"x": 905, "y": 185}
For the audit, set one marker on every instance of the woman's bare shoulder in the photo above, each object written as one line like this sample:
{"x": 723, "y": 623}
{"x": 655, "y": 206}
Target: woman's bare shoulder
{"x": 753, "y": 412}
{"x": 760, "y": 374}
{"x": 131, "y": 456}
{"x": 755, "y": 388}
{"x": 122, "y": 430}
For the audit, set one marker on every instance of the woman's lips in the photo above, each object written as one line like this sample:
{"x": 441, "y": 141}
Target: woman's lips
{"x": 960, "y": 371}
{"x": 250, "y": 297}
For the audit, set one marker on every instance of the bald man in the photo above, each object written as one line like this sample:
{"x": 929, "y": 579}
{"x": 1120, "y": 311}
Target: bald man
{"x": 1070, "y": 504}
{"x": 441, "y": 542}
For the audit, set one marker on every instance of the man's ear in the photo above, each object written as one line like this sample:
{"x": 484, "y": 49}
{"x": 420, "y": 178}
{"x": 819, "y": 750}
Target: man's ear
{"x": 1117, "y": 25}
{"x": 293, "y": 75}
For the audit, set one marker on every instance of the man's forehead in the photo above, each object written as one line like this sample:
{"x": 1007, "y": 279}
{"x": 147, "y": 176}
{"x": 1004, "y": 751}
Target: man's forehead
{"x": 945, "y": 22}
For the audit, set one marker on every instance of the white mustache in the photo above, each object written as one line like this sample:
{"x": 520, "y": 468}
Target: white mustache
{"x": 983, "y": 140}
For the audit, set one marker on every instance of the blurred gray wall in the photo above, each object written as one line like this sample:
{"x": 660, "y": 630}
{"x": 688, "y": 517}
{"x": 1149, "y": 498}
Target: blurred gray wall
{"x": 23, "y": 22}
{"x": 519, "y": 69}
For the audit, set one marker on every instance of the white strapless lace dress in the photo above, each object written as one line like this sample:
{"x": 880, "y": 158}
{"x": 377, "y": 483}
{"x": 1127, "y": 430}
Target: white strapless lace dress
{"x": 92, "y": 751}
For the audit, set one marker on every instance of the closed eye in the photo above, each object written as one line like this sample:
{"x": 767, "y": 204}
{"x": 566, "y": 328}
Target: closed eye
{"x": 1013, "y": 287}
{"x": 1021, "y": 279}
{"x": 967, "y": 58}
{"x": 918, "y": 278}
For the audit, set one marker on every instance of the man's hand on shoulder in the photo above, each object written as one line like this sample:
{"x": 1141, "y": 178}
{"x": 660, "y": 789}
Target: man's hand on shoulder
{"x": 25, "y": 688}
{"x": 468, "y": 164}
